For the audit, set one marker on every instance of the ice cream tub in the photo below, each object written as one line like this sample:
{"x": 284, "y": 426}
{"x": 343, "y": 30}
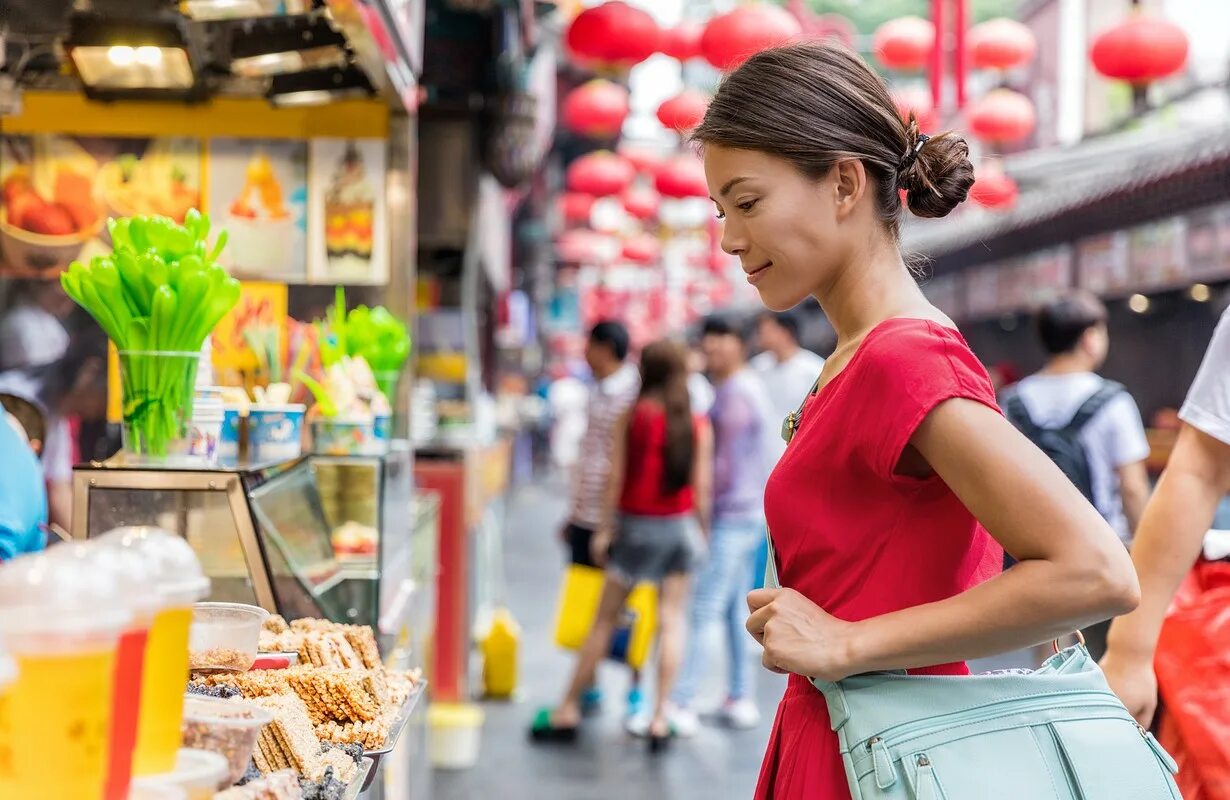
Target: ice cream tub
{"x": 275, "y": 432}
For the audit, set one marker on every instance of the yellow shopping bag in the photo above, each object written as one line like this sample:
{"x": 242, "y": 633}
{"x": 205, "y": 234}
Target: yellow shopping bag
{"x": 578, "y": 605}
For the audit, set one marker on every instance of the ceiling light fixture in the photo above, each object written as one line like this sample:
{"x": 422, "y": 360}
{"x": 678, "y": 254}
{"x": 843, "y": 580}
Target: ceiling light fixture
{"x": 319, "y": 86}
{"x": 152, "y": 57}
{"x": 1138, "y": 303}
{"x": 1200, "y": 292}
{"x": 297, "y": 44}
{"x": 214, "y": 10}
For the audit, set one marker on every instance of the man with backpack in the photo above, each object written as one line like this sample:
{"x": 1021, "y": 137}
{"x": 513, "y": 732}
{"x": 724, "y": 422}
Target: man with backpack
{"x": 1089, "y": 426}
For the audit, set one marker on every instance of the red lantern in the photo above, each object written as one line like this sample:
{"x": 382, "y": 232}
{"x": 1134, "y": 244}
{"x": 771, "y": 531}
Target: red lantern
{"x": 641, "y": 249}
{"x": 575, "y": 207}
{"x": 731, "y": 38}
{"x": 642, "y": 160}
{"x": 1002, "y": 115}
{"x": 601, "y": 173}
{"x": 835, "y": 27}
{"x": 682, "y": 177}
{"x": 596, "y": 109}
{"x": 919, "y": 102}
{"x": 641, "y": 202}
{"x": 904, "y": 43}
{"x": 1000, "y": 44}
{"x": 582, "y": 246}
{"x": 613, "y": 33}
{"x": 1140, "y": 49}
{"x": 684, "y": 111}
{"x": 682, "y": 41}
{"x": 994, "y": 189}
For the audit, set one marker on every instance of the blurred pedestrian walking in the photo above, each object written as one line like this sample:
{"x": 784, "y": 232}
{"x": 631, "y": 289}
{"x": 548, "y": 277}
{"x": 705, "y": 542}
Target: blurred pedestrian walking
{"x": 739, "y": 416}
{"x": 787, "y": 370}
{"x": 1089, "y": 426}
{"x": 649, "y": 528}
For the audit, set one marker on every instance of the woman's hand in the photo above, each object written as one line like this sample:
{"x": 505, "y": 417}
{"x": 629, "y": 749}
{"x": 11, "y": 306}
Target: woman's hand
{"x": 1134, "y": 681}
{"x": 798, "y": 636}
{"x": 600, "y": 546}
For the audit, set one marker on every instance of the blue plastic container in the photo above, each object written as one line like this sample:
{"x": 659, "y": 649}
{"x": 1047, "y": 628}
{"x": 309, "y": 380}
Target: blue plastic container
{"x": 275, "y": 433}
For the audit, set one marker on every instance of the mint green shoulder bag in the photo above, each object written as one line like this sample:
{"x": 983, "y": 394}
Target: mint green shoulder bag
{"x": 1057, "y": 733}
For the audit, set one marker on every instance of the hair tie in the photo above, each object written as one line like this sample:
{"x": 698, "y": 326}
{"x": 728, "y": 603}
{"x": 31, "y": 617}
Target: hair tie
{"x": 912, "y": 156}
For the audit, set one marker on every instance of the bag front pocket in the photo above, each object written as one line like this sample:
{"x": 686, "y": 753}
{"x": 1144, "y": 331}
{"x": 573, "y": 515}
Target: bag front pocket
{"x": 1111, "y": 759}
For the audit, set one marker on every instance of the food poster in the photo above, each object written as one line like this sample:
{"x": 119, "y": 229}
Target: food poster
{"x": 346, "y": 208}
{"x": 59, "y": 190}
{"x": 249, "y": 343}
{"x": 258, "y": 194}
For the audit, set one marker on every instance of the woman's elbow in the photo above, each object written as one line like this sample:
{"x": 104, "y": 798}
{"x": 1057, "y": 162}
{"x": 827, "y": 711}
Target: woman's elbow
{"x": 1112, "y": 580}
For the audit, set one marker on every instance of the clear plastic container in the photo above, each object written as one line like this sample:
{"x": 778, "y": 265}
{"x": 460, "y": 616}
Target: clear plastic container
{"x": 152, "y": 789}
{"x": 157, "y": 390}
{"x": 8, "y": 674}
{"x": 224, "y": 637}
{"x": 61, "y": 620}
{"x": 178, "y": 583}
{"x": 226, "y": 727}
{"x": 200, "y": 774}
{"x": 134, "y": 575}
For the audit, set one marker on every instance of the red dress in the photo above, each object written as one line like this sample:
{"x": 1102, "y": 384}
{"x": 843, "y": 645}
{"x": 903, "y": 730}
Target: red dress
{"x": 645, "y": 464}
{"x": 859, "y": 540}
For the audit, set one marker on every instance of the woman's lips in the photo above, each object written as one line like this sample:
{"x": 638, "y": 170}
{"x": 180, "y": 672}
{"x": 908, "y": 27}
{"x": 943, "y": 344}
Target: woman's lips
{"x": 757, "y": 274}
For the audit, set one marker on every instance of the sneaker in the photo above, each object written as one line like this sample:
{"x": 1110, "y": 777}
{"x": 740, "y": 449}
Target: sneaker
{"x": 591, "y": 702}
{"x": 740, "y": 714}
{"x": 636, "y": 702}
{"x": 637, "y": 725}
{"x": 685, "y": 722}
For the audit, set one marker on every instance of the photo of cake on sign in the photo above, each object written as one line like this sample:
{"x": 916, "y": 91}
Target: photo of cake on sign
{"x": 347, "y": 210}
{"x": 258, "y": 193}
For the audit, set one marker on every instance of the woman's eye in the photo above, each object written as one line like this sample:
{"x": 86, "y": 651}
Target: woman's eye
{"x": 720, "y": 214}
{"x": 747, "y": 205}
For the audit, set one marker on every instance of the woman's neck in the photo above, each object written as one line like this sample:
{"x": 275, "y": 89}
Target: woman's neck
{"x": 874, "y": 286}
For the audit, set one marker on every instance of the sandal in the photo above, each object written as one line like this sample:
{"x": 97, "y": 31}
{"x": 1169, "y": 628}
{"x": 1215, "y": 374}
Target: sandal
{"x": 660, "y": 742}
{"x": 541, "y": 730}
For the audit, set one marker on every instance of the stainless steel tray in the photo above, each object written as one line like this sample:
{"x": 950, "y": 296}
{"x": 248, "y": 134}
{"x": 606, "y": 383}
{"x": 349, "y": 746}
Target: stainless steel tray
{"x": 366, "y": 770}
{"x": 395, "y": 730}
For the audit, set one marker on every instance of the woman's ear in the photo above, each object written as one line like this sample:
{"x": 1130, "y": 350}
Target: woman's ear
{"x": 849, "y": 185}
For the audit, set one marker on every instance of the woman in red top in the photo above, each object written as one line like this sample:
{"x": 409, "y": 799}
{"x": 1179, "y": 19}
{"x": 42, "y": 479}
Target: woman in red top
{"x": 661, "y": 466}
{"x": 903, "y": 481}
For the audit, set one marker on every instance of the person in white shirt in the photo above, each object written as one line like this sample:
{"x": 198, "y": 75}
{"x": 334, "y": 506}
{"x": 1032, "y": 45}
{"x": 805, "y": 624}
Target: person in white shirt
{"x": 787, "y": 371}
{"x": 1091, "y": 427}
{"x": 1169, "y": 537}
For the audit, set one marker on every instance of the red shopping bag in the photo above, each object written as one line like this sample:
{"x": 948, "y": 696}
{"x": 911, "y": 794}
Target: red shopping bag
{"x": 1193, "y": 673}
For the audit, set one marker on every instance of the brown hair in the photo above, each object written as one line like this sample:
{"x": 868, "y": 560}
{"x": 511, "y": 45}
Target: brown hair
{"x": 815, "y": 104}
{"x": 664, "y": 377}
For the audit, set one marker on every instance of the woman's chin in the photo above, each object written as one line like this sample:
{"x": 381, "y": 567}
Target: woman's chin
{"x": 776, "y": 298}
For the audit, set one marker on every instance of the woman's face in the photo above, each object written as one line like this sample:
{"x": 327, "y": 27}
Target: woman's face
{"x": 783, "y": 226}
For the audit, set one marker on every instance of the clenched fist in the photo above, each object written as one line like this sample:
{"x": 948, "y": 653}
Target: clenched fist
{"x": 798, "y": 636}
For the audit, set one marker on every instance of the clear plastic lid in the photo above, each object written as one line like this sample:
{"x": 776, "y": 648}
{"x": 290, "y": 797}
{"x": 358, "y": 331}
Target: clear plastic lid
{"x": 177, "y": 573}
{"x": 133, "y": 573}
{"x": 47, "y": 602}
{"x": 199, "y": 773}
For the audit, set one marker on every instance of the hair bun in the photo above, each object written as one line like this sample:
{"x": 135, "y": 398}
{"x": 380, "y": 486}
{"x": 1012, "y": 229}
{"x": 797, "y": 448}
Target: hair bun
{"x": 935, "y": 172}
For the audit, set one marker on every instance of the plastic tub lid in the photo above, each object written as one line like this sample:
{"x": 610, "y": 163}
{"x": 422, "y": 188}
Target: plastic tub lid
{"x": 177, "y": 571}
{"x": 155, "y": 789}
{"x": 454, "y": 715}
{"x": 42, "y": 595}
{"x": 194, "y": 770}
{"x": 133, "y": 574}
{"x": 283, "y": 407}
{"x": 221, "y": 713}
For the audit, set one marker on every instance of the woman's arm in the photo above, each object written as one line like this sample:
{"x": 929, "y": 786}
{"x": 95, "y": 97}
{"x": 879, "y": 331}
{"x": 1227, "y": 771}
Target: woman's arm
{"x": 1167, "y": 544}
{"x": 1072, "y": 572}
{"x": 702, "y": 476}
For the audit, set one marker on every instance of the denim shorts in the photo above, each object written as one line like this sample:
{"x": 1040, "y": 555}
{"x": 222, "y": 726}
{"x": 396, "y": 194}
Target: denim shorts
{"x": 647, "y": 549}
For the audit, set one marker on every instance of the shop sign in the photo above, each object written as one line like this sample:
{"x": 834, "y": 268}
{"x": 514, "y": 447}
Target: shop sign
{"x": 1045, "y": 275}
{"x": 347, "y": 235}
{"x": 1208, "y": 243}
{"x": 1157, "y": 253}
{"x": 1102, "y": 263}
{"x": 259, "y": 318}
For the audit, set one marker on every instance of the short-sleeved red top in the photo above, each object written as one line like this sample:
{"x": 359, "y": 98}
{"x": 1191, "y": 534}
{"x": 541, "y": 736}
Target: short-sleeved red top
{"x": 644, "y": 464}
{"x": 858, "y": 539}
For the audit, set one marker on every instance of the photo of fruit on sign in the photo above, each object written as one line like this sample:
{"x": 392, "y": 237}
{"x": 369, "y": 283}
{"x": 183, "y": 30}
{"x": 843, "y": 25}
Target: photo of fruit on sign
{"x": 57, "y": 192}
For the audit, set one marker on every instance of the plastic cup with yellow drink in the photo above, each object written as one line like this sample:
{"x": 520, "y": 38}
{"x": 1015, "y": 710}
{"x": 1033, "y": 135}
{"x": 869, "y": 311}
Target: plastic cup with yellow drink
{"x": 178, "y": 583}
{"x": 62, "y": 621}
{"x": 8, "y": 674}
{"x": 135, "y": 577}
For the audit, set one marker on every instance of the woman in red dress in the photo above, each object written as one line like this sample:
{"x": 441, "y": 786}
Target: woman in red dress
{"x": 903, "y": 484}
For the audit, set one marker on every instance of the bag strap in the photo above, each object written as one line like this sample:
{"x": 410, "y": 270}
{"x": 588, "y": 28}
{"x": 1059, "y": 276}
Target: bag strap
{"x": 1018, "y": 414}
{"x": 790, "y": 425}
{"x": 1096, "y": 402}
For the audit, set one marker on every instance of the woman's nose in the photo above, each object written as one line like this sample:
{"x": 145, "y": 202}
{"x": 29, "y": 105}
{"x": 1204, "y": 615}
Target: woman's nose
{"x": 733, "y": 240}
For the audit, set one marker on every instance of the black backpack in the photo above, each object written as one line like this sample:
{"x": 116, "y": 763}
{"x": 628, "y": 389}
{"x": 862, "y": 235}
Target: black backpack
{"x": 1063, "y": 445}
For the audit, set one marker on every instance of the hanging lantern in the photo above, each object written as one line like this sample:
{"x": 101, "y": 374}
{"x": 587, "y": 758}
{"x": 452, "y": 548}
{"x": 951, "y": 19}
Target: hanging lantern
{"x": 642, "y": 248}
{"x": 904, "y": 43}
{"x": 682, "y": 177}
{"x": 993, "y": 189}
{"x": 600, "y": 173}
{"x": 919, "y": 102}
{"x": 1000, "y": 44}
{"x": 583, "y": 246}
{"x": 574, "y": 207}
{"x": 684, "y": 111}
{"x": 596, "y": 109}
{"x": 731, "y": 38}
{"x": 641, "y": 202}
{"x": 682, "y": 41}
{"x": 1003, "y": 116}
{"x": 643, "y": 160}
{"x": 614, "y": 34}
{"x": 1140, "y": 49}
{"x": 836, "y": 28}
